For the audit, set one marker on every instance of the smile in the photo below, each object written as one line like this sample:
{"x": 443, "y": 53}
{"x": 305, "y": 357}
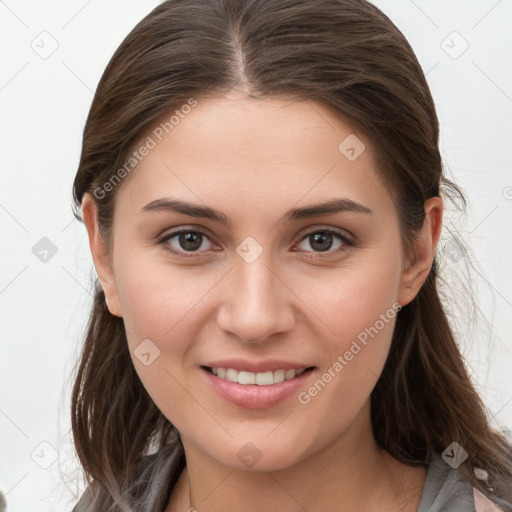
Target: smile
{"x": 259, "y": 378}
{"x": 256, "y": 390}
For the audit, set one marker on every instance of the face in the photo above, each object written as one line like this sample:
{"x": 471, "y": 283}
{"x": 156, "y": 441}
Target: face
{"x": 257, "y": 288}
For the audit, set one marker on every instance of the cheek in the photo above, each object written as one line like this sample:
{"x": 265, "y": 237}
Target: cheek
{"x": 353, "y": 299}
{"x": 362, "y": 321}
{"x": 159, "y": 323}
{"x": 360, "y": 332}
{"x": 162, "y": 304}
{"x": 358, "y": 309}
{"x": 158, "y": 301}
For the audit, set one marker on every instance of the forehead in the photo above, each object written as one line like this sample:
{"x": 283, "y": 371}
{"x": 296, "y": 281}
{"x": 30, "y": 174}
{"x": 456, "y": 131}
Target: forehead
{"x": 269, "y": 151}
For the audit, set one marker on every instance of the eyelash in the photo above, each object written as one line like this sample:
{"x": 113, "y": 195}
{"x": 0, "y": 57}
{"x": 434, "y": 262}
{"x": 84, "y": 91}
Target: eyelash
{"x": 195, "y": 254}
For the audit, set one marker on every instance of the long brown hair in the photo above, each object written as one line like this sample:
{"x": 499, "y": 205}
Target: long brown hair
{"x": 348, "y": 55}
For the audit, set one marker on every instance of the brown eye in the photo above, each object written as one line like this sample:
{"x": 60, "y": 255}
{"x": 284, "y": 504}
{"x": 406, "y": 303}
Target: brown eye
{"x": 323, "y": 240}
{"x": 185, "y": 241}
{"x": 190, "y": 241}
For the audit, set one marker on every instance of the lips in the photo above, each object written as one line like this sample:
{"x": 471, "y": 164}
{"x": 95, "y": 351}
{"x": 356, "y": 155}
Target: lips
{"x": 238, "y": 383}
{"x": 269, "y": 365}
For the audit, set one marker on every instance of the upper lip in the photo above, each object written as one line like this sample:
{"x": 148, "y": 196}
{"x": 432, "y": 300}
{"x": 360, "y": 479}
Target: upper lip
{"x": 256, "y": 366}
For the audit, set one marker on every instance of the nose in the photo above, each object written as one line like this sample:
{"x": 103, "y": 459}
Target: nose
{"x": 256, "y": 302}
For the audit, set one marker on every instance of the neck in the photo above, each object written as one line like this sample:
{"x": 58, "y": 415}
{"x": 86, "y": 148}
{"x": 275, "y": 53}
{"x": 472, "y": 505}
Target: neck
{"x": 351, "y": 473}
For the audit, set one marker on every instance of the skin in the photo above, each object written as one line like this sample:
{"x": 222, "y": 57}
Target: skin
{"x": 253, "y": 160}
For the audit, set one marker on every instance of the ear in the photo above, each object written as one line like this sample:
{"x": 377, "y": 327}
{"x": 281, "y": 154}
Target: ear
{"x": 100, "y": 255}
{"x": 425, "y": 245}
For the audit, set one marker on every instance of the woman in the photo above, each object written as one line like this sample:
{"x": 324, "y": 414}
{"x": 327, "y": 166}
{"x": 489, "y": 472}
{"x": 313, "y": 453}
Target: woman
{"x": 262, "y": 189}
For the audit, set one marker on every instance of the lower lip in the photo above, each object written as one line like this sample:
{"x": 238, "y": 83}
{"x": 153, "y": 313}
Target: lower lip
{"x": 252, "y": 396}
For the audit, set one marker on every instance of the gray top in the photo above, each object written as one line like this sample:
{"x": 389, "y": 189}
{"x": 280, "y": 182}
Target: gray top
{"x": 445, "y": 490}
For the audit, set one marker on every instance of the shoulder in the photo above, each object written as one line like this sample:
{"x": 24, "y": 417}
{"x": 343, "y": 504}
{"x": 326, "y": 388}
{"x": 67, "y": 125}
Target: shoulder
{"x": 155, "y": 478}
{"x": 484, "y": 504}
{"x": 447, "y": 488}
{"x": 85, "y": 503}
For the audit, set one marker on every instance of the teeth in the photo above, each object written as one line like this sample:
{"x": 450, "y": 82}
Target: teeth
{"x": 289, "y": 374}
{"x": 261, "y": 378}
{"x": 246, "y": 377}
{"x": 232, "y": 375}
{"x": 279, "y": 376}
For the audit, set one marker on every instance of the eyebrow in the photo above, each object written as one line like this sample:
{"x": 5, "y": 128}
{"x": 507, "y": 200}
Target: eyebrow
{"x": 330, "y": 207}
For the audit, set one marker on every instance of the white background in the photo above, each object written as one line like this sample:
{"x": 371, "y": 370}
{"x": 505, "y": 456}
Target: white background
{"x": 44, "y": 306}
